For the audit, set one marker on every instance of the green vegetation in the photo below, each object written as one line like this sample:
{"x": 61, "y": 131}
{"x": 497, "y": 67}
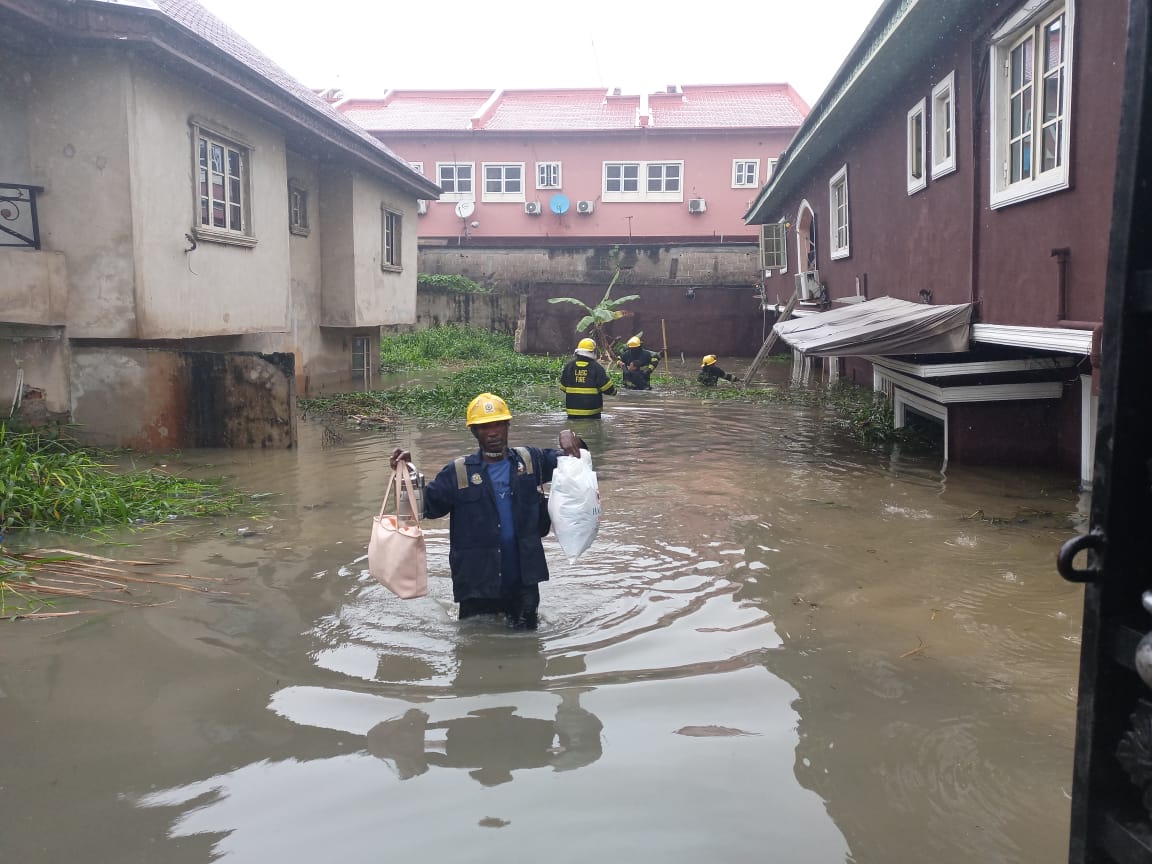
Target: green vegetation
{"x": 600, "y": 315}
{"x": 451, "y": 345}
{"x": 485, "y": 361}
{"x": 450, "y": 282}
{"x": 49, "y": 483}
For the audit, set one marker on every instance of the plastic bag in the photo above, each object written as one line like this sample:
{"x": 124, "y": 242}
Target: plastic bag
{"x": 574, "y": 504}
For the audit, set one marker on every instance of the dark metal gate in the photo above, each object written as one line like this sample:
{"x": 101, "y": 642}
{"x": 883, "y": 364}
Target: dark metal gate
{"x": 1112, "y": 775}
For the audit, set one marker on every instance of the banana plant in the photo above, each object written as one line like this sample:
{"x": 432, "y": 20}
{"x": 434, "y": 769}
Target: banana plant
{"x": 600, "y": 315}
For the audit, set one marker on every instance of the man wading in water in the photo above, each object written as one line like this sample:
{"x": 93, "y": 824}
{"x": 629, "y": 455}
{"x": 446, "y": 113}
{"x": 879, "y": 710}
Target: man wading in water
{"x": 495, "y": 553}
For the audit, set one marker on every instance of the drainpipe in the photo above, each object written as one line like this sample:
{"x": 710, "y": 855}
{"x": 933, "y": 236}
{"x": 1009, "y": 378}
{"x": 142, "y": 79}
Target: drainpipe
{"x": 1062, "y": 255}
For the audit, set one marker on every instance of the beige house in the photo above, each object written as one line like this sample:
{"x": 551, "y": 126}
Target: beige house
{"x": 188, "y": 236}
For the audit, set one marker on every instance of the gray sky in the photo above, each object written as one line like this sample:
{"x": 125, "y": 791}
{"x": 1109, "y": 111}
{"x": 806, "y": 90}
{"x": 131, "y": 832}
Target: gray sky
{"x": 367, "y": 48}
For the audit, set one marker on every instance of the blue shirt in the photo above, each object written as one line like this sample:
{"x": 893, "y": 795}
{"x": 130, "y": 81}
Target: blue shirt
{"x": 500, "y": 473}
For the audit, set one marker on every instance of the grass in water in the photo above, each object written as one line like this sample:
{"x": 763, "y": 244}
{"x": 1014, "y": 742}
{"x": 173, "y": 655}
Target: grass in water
{"x": 450, "y": 345}
{"x": 48, "y": 483}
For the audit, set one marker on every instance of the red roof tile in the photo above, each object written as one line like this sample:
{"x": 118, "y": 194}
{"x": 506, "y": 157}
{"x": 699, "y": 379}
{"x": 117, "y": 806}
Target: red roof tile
{"x": 731, "y": 106}
{"x": 696, "y": 107}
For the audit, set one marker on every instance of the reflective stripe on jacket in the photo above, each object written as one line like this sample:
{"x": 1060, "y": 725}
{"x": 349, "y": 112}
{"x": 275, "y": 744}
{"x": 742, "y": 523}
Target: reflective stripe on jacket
{"x": 474, "y": 532}
{"x": 585, "y": 383}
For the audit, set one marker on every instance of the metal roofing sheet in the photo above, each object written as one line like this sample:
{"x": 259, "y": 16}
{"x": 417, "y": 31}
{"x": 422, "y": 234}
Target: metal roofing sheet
{"x": 881, "y": 326}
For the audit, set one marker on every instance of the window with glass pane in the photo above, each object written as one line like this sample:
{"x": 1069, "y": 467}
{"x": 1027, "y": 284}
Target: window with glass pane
{"x": 221, "y": 184}
{"x": 663, "y": 177}
{"x": 547, "y": 175}
{"x": 503, "y": 179}
{"x": 773, "y": 247}
{"x": 455, "y": 178}
{"x": 622, "y": 176}
{"x": 838, "y": 204}
{"x": 745, "y": 172}
{"x": 297, "y": 209}
{"x": 1020, "y": 97}
{"x": 1052, "y": 118}
{"x": 390, "y": 256}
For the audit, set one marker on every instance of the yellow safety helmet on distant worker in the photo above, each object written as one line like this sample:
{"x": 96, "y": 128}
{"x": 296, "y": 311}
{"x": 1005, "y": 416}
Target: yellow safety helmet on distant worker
{"x": 487, "y": 408}
{"x": 709, "y": 359}
{"x": 586, "y": 345}
{"x": 634, "y": 342}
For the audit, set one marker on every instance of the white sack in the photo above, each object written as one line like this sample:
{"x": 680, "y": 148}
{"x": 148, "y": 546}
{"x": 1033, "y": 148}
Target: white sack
{"x": 574, "y": 504}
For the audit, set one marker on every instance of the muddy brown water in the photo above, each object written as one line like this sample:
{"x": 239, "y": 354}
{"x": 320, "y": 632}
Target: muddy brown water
{"x": 782, "y": 647}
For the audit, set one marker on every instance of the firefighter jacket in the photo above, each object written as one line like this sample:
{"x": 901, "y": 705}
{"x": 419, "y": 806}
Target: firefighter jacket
{"x": 709, "y": 375}
{"x": 643, "y": 358}
{"x": 474, "y": 531}
{"x": 585, "y": 383}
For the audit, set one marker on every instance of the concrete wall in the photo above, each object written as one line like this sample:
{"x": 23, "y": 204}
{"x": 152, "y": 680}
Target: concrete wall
{"x": 498, "y": 312}
{"x": 218, "y": 288}
{"x": 516, "y": 268}
{"x": 42, "y": 353}
{"x": 152, "y": 399}
{"x": 80, "y": 152}
{"x": 33, "y": 286}
{"x": 15, "y": 84}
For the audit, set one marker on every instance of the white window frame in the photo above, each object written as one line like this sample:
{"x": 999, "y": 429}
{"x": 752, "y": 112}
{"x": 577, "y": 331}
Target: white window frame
{"x": 839, "y": 238}
{"x": 771, "y": 169}
{"x": 509, "y": 173}
{"x": 455, "y": 167}
{"x": 418, "y": 167}
{"x": 745, "y": 173}
{"x": 916, "y": 141}
{"x": 297, "y": 209}
{"x": 943, "y": 122}
{"x": 391, "y": 240}
{"x": 236, "y": 189}
{"x": 543, "y": 170}
{"x": 774, "y": 246}
{"x": 1029, "y": 24}
{"x": 641, "y": 192}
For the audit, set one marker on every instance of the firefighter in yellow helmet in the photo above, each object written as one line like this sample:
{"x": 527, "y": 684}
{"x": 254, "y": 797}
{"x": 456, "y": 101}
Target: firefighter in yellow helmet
{"x": 495, "y": 553}
{"x": 638, "y": 363}
{"x": 710, "y": 373}
{"x": 585, "y": 382}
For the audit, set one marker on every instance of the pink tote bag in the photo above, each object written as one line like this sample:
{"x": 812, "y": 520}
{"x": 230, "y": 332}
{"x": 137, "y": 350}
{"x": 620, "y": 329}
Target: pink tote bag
{"x": 397, "y": 558}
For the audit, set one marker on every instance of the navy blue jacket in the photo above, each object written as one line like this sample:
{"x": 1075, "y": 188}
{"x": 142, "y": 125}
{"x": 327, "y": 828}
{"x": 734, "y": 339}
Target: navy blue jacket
{"x": 474, "y": 532}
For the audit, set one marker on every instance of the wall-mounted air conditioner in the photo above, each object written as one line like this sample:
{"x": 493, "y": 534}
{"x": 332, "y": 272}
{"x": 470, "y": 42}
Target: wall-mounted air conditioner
{"x": 697, "y": 205}
{"x": 532, "y": 208}
{"x": 585, "y": 206}
{"x": 808, "y": 285}
{"x": 421, "y": 206}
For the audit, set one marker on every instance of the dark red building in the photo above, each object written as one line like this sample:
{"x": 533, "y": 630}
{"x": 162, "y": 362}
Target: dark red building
{"x": 962, "y": 156}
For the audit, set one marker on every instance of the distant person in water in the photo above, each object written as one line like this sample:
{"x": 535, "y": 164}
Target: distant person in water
{"x": 710, "y": 373}
{"x": 639, "y": 363}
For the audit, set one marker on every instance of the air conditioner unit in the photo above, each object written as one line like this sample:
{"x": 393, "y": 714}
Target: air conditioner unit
{"x": 421, "y": 206}
{"x": 585, "y": 206}
{"x": 808, "y": 285}
{"x": 532, "y": 208}
{"x": 697, "y": 205}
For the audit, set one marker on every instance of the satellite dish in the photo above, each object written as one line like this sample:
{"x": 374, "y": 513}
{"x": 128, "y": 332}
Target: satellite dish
{"x": 464, "y": 209}
{"x": 558, "y": 204}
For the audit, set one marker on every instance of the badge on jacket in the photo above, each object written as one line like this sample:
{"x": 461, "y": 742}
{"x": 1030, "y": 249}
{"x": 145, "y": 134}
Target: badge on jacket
{"x": 477, "y": 479}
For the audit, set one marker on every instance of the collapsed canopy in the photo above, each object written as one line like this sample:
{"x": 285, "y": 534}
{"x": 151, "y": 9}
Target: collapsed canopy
{"x": 881, "y": 326}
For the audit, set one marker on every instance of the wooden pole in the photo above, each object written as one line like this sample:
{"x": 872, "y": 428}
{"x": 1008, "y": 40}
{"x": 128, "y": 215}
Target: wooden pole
{"x": 664, "y": 330}
{"x": 766, "y": 348}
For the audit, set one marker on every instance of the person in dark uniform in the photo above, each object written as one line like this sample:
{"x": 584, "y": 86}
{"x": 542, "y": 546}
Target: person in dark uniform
{"x": 639, "y": 364}
{"x": 495, "y": 553}
{"x": 710, "y": 373}
{"x": 585, "y": 383}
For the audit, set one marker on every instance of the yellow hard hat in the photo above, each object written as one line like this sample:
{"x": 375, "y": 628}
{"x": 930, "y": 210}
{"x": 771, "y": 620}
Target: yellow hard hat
{"x": 487, "y": 408}
{"x": 634, "y": 342}
{"x": 586, "y": 345}
{"x": 709, "y": 359}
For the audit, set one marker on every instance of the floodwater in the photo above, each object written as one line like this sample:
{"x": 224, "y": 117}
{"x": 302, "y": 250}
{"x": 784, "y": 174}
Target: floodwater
{"x": 783, "y": 646}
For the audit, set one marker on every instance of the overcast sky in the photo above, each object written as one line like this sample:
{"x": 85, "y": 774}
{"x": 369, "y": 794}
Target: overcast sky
{"x": 366, "y": 48}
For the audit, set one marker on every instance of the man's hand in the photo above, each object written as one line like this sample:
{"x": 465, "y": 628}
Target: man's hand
{"x": 569, "y": 443}
{"x": 399, "y": 455}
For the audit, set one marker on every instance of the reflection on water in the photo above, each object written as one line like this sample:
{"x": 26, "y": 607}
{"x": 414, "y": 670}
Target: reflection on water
{"x": 780, "y": 641}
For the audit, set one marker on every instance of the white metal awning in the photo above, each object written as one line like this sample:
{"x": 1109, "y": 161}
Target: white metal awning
{"x": 881, "y": 326}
